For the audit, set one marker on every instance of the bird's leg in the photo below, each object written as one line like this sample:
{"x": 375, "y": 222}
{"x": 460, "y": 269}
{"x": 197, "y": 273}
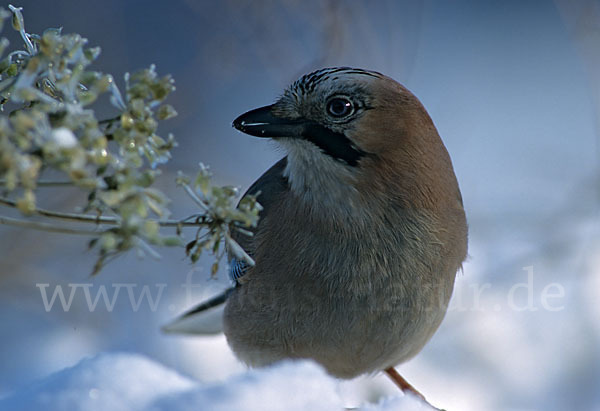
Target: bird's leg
{"x": 404, "y": 385}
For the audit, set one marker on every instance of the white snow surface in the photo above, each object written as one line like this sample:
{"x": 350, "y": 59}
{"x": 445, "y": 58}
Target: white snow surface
{"x": 126, "y": 381}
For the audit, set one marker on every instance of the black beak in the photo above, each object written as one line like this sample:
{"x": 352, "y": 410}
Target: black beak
{"x": 261, "y": 122}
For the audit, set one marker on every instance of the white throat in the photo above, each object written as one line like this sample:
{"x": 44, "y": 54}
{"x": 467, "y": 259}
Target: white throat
{"x": 319, "y": 180}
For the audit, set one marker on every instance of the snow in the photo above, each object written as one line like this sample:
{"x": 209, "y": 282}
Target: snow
{"x": 407, "y": 402}
{"x": 111, "y": 381}
{"x": 127, "y": 381}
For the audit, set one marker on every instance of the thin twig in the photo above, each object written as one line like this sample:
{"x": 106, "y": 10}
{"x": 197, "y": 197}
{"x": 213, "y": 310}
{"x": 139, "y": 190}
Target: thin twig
{"x": 146, "y": 248}
{"x": 178, "y": 223}
{"x": 237, "y": 250}
{"x": 47, "y": 183}
{"x": 86, "y": 218}
{"x": 42, "y": 183}
{"x": 194, "y": 196}
{"x": 110, "y": 120}
{"x": 45, "y": 227}
{"x": 65, "y": 216}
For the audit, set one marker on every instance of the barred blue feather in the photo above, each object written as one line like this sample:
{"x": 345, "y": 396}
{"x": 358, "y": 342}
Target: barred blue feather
{"x": 237, "y": 269}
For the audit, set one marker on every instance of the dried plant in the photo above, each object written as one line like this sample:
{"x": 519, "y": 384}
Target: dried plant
{"x": 48, "y": 125}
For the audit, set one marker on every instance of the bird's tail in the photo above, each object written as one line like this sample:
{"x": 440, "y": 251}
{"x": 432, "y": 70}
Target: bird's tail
{"x": 204, "y": 319}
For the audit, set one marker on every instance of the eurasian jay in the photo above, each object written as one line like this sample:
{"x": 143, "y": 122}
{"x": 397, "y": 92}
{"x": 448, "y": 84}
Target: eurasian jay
{"x": 361, "y": 233}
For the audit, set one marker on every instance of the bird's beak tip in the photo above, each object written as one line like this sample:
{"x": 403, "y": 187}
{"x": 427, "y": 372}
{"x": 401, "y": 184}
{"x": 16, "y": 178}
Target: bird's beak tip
{"x": 261, "y": 122}
{"x": 237, "y": 124}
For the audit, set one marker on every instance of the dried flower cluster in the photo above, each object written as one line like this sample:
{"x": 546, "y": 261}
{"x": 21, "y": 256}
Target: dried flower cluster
{"x": 48, "y": 126}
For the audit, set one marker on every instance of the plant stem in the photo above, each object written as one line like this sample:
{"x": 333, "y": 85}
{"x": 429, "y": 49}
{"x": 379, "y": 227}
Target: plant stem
{"x": 45, "y": 227}
{"x": 194, "y": 197}
{"x": 65, "y": 216}
{"x": 86, "y": 218}
{"x": 42, "y": 183}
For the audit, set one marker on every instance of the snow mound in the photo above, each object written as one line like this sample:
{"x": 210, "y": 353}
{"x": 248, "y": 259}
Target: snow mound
{"x": 109, "y": 381}
{"x": 131, "y": 382}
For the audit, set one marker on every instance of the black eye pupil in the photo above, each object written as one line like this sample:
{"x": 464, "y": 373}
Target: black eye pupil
{"x": 339, "y": 107}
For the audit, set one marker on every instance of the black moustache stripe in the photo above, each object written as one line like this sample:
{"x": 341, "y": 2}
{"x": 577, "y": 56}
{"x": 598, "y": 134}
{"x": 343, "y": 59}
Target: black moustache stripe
{"x": 333, "y": 144}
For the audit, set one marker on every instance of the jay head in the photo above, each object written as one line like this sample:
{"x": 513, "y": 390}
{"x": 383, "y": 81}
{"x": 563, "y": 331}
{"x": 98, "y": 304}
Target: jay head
{"x": 361, "y": 234}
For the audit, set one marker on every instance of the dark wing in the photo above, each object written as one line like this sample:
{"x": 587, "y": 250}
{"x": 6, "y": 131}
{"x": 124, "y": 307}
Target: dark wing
{"x": 206, "y": 318}
{"x": 266, "y": 189}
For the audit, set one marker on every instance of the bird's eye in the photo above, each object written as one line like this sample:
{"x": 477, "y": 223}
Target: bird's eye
{"x": 340, "y": 107}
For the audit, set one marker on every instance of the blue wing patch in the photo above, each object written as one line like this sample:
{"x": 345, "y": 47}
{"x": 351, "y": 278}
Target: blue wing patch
{"x": 237, "y": 269}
